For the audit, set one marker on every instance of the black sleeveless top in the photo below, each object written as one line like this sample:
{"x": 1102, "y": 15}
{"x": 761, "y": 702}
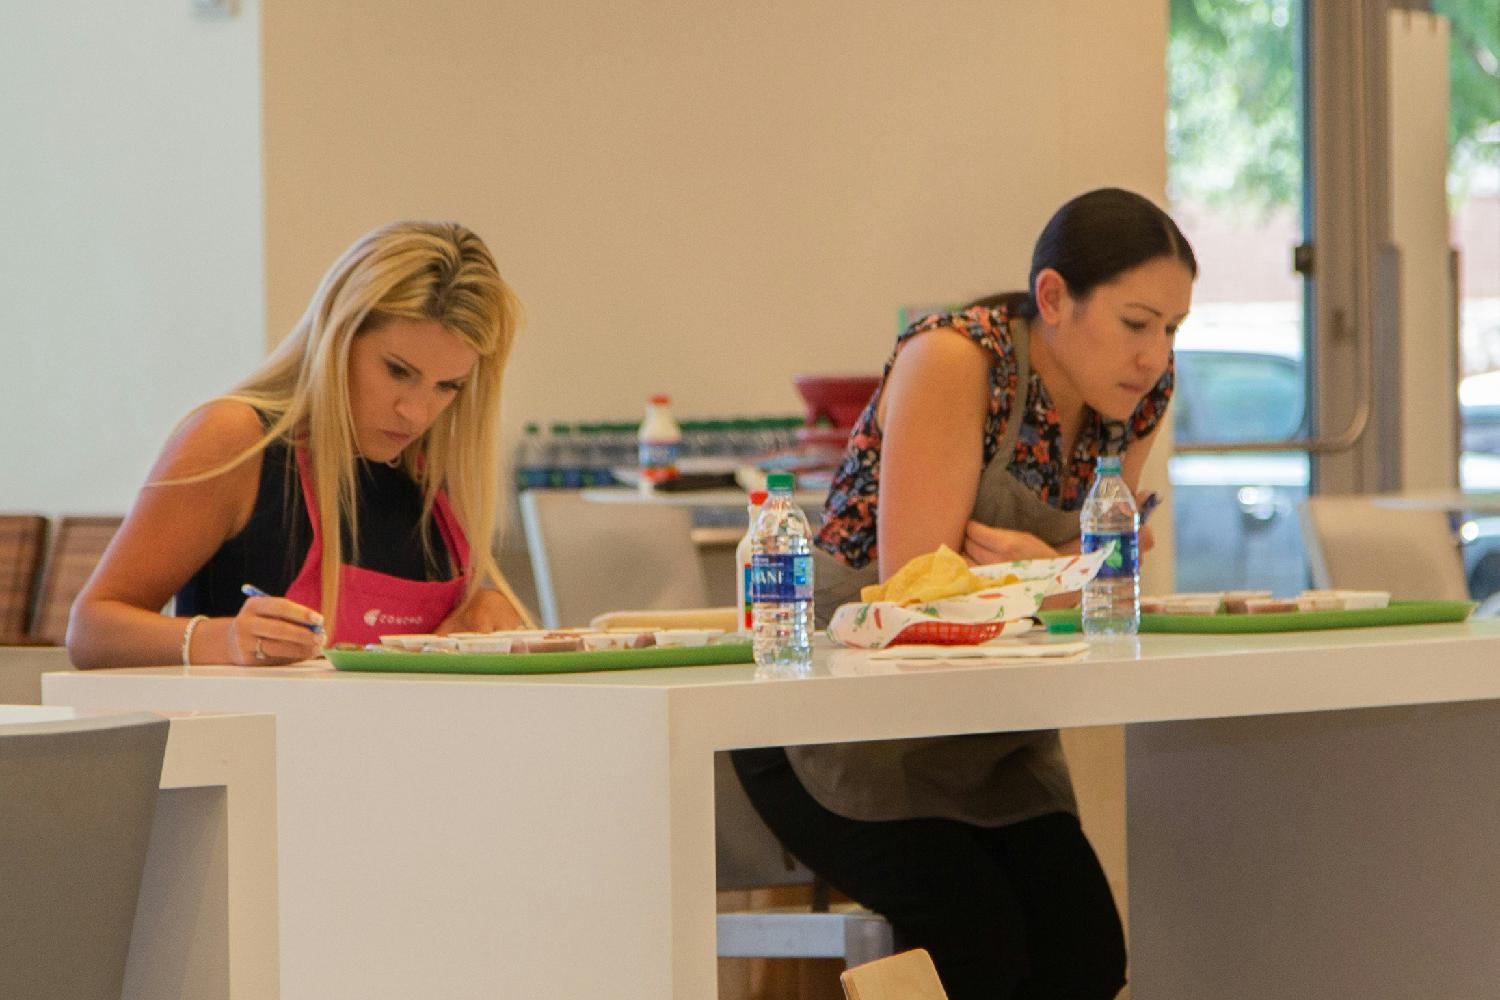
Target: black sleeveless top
{"x": 270, "y": 550}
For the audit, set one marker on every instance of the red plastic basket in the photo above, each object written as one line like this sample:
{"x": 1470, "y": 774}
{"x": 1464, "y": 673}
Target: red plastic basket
{"x": 936, "y": 633}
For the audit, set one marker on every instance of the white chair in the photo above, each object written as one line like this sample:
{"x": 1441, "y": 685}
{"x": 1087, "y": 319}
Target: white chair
{"x": 77, "y": 799}
{"x": 907, "y": 976}
{"x": 1355, "y": 544}
{"x": 588, "y": 558}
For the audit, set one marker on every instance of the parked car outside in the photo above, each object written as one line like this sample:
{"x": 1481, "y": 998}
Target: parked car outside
{"x": 1235, "y": 515}
{"x": 1479, "y": 402}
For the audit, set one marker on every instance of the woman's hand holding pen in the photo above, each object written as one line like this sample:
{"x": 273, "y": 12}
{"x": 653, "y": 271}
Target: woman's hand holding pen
{"x": 271, "y": 631}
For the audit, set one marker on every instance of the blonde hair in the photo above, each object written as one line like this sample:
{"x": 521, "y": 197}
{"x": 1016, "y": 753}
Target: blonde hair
{"x": 437, "y": 271}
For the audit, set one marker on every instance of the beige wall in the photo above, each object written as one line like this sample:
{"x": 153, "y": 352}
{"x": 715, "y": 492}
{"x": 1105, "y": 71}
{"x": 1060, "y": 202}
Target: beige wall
{"x": 696, "y": 198}
{"x": 703, "y": 198}
{"x": 130, "y": 237}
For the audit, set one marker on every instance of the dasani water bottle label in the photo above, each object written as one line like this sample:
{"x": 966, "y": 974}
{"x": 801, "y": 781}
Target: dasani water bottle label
{"x": 1124, "y": 562}
{"x": 778, "y": 577}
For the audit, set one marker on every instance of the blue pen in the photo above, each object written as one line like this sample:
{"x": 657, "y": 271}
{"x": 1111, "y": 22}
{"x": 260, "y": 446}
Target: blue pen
{"x": 251, "y": 590}
{"x": 1149, "y": 503}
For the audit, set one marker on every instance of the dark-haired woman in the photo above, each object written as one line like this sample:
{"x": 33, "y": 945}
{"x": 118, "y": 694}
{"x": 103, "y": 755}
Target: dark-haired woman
{"x": 983, "y": 435}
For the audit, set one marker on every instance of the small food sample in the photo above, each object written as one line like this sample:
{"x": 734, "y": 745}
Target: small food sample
{"x": 637, "y": 638}
{"x": 1260, "y": 602}
{"x": 1193, "y": 604}
{"x": 483, "y": 643}
{"x": 559, "y": 641}
{"x": 931, "y": 577}
{"x": 594, "y": 642}
{"x": 1234, "y": 600}
{"x": 1355, "y": 600}
{"x": 411, "y": 643}
{"x": 679, "y": 637}
{"x": 1342, "y": 600}
{"x": 1210, "y": 603}
{"x": 1269, "y": 605}
{"x": 1319, "y": 600}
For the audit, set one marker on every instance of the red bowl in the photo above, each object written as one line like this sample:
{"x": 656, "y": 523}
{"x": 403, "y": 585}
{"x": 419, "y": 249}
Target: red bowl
{"x": 836, "y": 398}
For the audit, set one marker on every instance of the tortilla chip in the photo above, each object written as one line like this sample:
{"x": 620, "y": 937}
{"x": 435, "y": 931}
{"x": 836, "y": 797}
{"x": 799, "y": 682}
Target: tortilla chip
{"x": 931, "y": 577}
{"x": 899, "y": 582}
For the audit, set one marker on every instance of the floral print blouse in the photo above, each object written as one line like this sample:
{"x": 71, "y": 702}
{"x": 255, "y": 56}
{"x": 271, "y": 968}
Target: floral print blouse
{"x": 848, "y": 530}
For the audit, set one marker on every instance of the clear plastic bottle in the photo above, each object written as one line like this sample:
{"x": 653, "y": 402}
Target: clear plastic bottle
{"x": 592, "y": 471}
{"x": 1112, "y": 599}
{"x": 781, "y": 583}
{"x": 660, "y": 442}
{"x": 742, "y": 563}
{"x": 603, "y": 455}
{"x": 531, "y": 460}
{"x": 567, "y": 459}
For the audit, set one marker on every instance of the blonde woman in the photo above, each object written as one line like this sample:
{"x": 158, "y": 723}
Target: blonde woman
{"x": 352, "y": 478}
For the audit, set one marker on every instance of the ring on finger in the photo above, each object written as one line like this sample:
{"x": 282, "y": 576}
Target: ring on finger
{"x": 260, "y": 654}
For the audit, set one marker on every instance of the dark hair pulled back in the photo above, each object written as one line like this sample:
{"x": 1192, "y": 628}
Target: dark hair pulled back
{"x": 1092, "y": 240}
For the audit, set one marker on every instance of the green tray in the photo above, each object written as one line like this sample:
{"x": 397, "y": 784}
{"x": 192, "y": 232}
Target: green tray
{"x": 538, "y": 663}
{"x": 1399, "y": 613}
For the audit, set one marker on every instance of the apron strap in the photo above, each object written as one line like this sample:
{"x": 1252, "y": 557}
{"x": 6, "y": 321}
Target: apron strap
{"x": 304, "y": 477}
{"x": 991, "y": 479}
{"x": 453, "y": 536}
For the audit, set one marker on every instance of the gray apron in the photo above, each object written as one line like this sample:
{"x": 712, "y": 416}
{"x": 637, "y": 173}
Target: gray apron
{"x": 991, "y": 779}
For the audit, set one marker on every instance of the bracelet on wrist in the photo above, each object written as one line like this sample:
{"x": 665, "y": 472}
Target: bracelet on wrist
{"x": 187, "y": 638}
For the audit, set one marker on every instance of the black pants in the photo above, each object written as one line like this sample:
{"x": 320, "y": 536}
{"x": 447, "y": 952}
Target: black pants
{"x": 1009, "y": 913}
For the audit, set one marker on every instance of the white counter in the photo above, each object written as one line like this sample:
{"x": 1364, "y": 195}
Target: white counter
{"x": 461, "y": 836}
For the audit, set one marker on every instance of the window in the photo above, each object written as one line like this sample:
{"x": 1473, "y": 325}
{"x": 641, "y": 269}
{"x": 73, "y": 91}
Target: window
{"x": 1236, "y": 177}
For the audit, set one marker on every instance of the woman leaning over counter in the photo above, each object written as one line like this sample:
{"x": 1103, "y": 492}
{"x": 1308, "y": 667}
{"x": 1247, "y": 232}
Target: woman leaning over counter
{"x": 352, "y": 477}
{"x": 983, "y": 436}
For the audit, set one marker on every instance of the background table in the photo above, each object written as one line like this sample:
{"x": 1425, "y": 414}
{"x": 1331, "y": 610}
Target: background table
{"x": 463, "y": 836}
{"x": 1457, "y": 501}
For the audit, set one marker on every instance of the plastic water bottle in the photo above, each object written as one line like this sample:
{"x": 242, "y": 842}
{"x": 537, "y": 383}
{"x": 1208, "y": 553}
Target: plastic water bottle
{"x": 1112, "y": 599}
{"x": 781, "y": 583}
{"x": 660, "y": 443}
{"x": 742, "y": 563}
{"x": 592, "y": 468}
{"x": 531, "y": 461}
{"x": 567, "y": 470}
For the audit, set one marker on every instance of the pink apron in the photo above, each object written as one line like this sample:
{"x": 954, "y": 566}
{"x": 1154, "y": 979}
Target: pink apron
{"x": 373, "y": 604}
